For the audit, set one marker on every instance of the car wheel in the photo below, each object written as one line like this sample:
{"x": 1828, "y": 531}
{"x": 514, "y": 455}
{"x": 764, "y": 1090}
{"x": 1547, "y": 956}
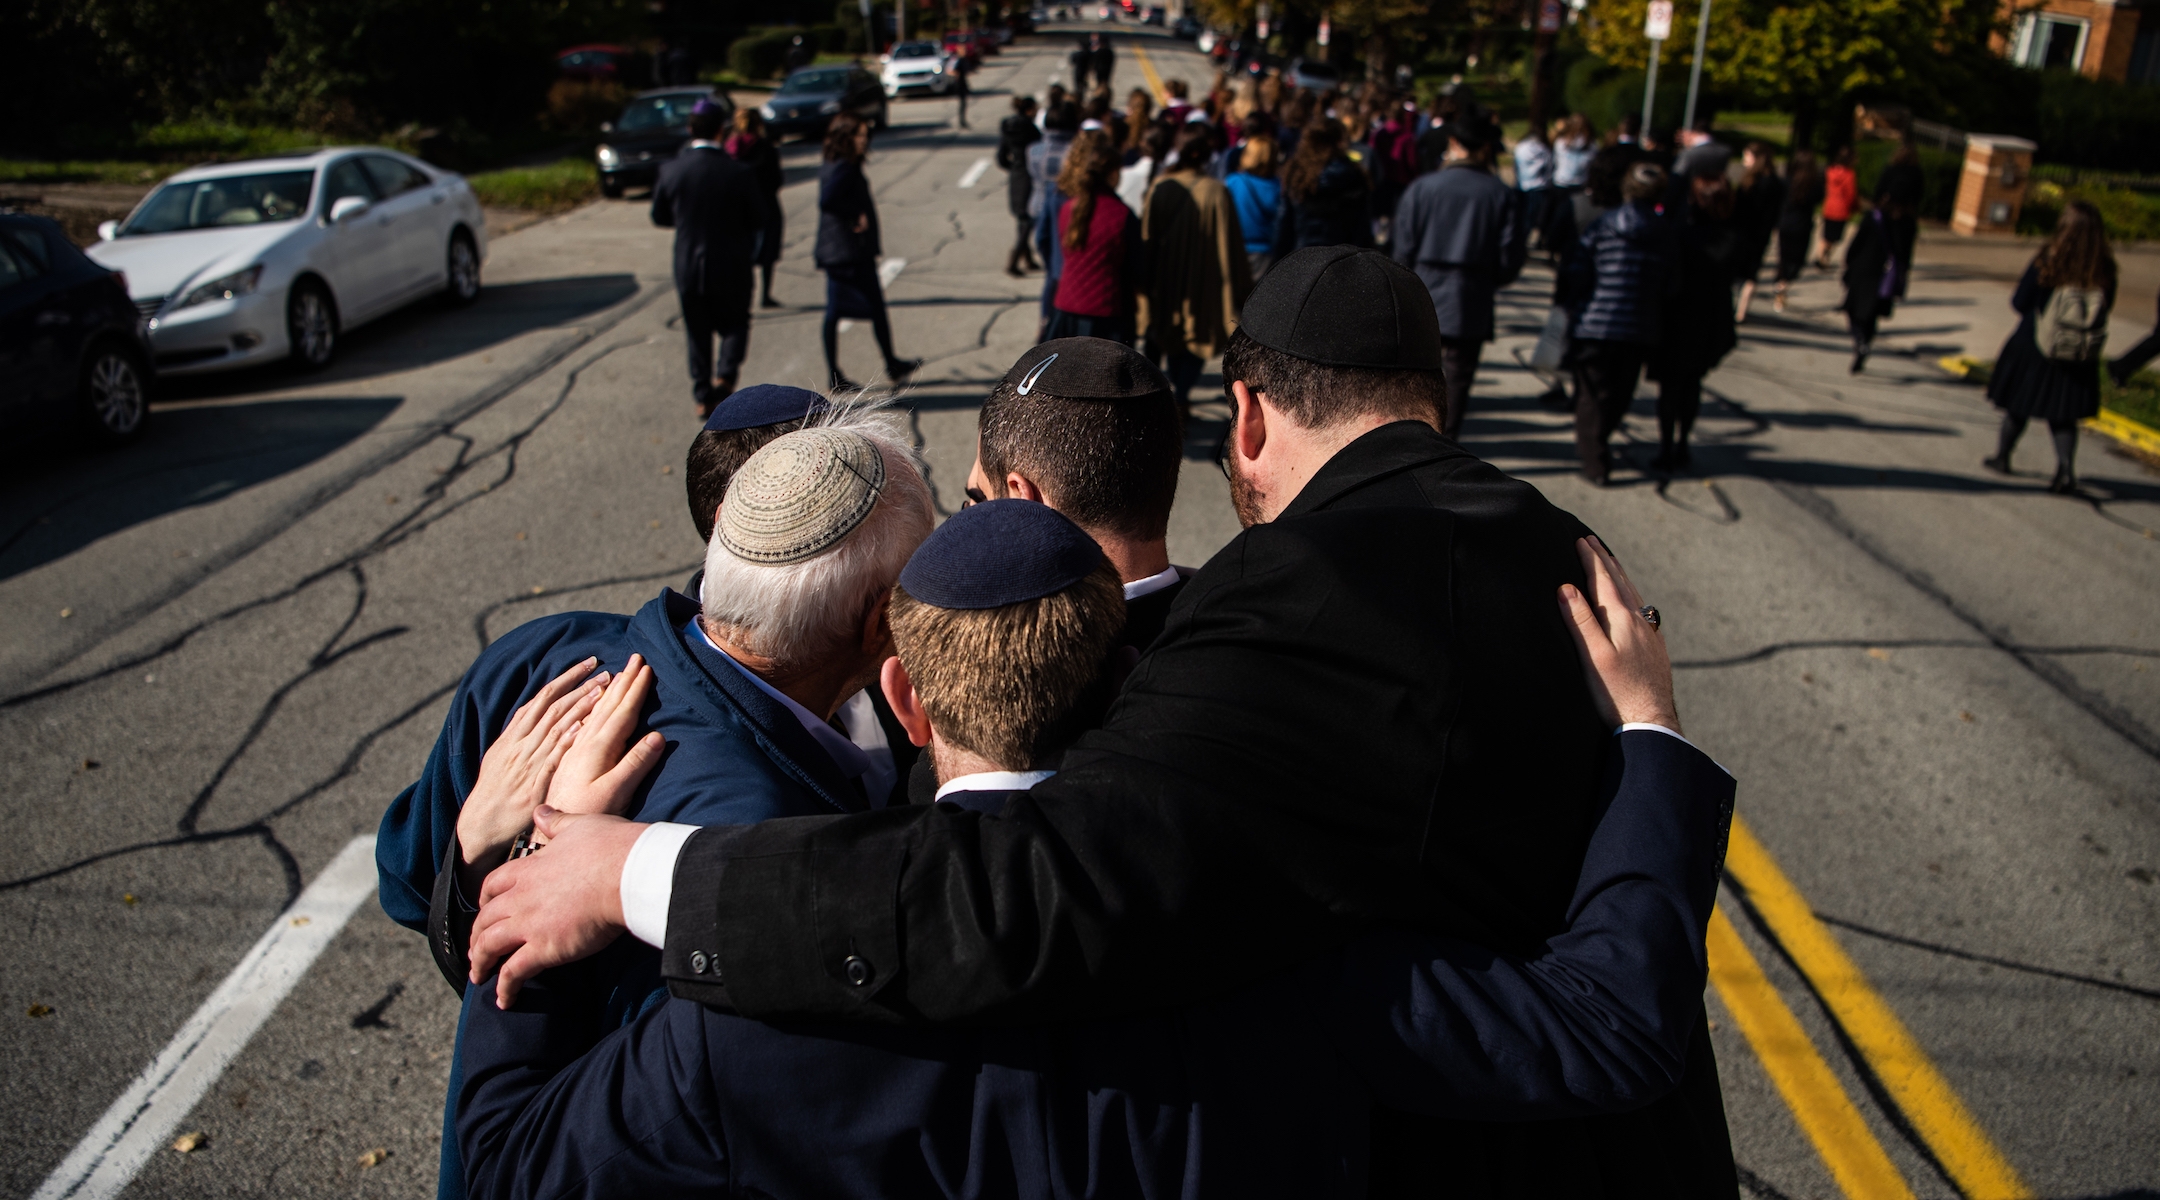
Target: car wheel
{"x": 312, "y": 324}
{"x": 464, "y": 269}
{"x": 611, "y": 187}
{"x": 115, "y": 392}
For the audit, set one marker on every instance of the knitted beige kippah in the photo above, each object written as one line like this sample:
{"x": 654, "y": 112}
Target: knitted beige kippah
{"x": 800, "y": 495}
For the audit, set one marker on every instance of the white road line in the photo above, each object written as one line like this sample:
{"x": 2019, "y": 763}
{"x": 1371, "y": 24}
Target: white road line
{"x": 975, "y": 173}
{"x": 887, "y": 271}
{"x": 140, "y": 1121}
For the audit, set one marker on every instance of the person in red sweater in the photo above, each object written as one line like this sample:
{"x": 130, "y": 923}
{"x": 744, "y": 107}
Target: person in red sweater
{"x": 1098, "y": 241}
{"x": 1840, "y": 188}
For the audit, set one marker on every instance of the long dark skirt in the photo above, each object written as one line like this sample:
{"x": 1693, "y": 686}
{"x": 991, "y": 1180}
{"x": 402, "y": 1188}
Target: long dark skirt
{"x": 852, "y": 290}
{"x": 1792, "y": 245}
{"x": 2027, "y": 383}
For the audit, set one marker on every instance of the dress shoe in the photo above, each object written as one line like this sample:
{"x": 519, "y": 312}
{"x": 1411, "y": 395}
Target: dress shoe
{"x": 2000, "y": 464}
{"x": 899, "y": 369}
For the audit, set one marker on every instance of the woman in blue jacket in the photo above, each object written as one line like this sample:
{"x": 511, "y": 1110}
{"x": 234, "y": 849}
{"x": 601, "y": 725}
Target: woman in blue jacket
{"x": 1629, "y": 256}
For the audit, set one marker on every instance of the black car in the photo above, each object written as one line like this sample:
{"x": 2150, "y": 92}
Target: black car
{"x": 1186, "y": 28}
{"x": 649, "y": 132}
{"x": 72, "y": 344}
{"x": 811, "y": 97}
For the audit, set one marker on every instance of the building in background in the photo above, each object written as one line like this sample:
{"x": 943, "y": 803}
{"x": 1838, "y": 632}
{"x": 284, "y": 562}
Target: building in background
{"x": 2100, "y": 39}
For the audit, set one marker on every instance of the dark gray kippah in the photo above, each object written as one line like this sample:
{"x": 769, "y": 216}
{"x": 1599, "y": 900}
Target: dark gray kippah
{"x": 999, "y": 553}
{"x": 1340, "y": 306}
{"x": 800, "y": 495}
{"x": 1084, "y": 368}
{"x": 765, "y": 404}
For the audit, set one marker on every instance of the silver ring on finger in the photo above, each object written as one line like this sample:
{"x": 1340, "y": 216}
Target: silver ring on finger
{"x": 1650, "y": 613}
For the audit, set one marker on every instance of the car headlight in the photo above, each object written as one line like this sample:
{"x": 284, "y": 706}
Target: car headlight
{"x": 828, "y": 108}
{"x": 239, "y": 283}
{"x": 766, "y": 111}
{"x": 607, "y": 156}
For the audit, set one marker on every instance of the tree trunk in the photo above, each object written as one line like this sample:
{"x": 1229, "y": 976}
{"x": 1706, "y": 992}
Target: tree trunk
{"x": 1804, "y": 111}
{"x": 1542, "y": 63}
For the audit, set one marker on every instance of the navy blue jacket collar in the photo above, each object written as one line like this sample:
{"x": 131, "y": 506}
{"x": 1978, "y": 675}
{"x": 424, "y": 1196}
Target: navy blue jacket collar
{"x": 716, "y": 686}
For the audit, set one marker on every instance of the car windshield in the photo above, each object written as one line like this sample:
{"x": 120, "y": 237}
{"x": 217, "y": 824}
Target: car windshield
{"x": 659, "y": 112}
{"x": 231, "y": 200}
{"x": 914, "y": 50}
{"x": 816, "y": 81}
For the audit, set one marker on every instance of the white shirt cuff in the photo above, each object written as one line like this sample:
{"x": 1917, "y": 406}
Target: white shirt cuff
{"x": 1671, "y": 733}
{"x": 648, "y": 880}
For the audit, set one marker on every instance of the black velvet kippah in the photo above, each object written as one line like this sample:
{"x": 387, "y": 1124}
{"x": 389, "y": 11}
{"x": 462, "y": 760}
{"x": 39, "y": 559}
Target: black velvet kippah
{"x": 765, "y": 404}
{"x": 1340, "y": 306}
{"x": 1083, "y": 368}
{"x": 998, "y": 553}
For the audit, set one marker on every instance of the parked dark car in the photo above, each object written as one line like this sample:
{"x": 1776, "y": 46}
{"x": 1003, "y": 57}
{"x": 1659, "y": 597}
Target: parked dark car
{"x": 810, "y": 98}
{"x": 1186, "y": 28}
{"x": 72, "y": 345}
{"x": 651, "y": 129}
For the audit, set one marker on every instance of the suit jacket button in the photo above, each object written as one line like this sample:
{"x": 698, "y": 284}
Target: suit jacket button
{"x": 697, "y": 962}
{"x": 859, "y": 971}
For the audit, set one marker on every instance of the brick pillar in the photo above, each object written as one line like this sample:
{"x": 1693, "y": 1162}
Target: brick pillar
{"x": 1992, "y": 187}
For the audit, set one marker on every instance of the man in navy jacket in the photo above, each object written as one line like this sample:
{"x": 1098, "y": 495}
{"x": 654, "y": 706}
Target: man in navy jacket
{"x": 1266, "y": 1091}
{"x": 717, "y": 211}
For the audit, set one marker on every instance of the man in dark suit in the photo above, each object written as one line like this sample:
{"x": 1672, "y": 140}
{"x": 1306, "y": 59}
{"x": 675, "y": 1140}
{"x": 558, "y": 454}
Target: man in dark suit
{"x": 1363, "y": 710}
{"x": 1003, "y": 622}
{"x": 1463, "y": 232}
{"x": 715, "y": 208}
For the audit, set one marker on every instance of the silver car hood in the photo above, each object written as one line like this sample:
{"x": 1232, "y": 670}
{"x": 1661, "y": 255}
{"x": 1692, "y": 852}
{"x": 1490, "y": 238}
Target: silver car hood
{"x": 158, "y": 263}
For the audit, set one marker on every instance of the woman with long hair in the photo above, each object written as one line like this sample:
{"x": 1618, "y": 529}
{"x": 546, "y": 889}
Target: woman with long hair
{"x": 2050, "y": 367}
{"x": 1098, "y": 242}
{"x": 848, "y": 247}
{"x": 1326, "y": 198}
{"x": 749, "y": 145}
{"x": 1139, "y": 118}
{"x": 1572, "y": 151}
{"x": 1197, "y": 274}
{"x": 1015, "y": 135}
{"x": 1764, "y": 205}
{"x": 1698, "y": 328}
{"x": 1871, "y": 282}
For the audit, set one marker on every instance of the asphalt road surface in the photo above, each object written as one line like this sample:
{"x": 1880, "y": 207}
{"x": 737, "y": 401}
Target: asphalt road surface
{"x": 228, "y": 646}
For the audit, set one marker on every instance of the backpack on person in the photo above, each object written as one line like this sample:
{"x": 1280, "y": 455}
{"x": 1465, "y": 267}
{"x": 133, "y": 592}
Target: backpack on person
{"x": 2070, "y": 327}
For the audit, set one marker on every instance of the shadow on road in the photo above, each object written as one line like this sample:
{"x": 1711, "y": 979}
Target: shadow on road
{"x": 427, "y": 333}
{"x": 186, "y": 458}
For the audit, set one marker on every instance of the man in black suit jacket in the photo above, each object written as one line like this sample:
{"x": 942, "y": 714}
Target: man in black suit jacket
{"x": 713, "y": 204}
{"x": 1364, "y": 710}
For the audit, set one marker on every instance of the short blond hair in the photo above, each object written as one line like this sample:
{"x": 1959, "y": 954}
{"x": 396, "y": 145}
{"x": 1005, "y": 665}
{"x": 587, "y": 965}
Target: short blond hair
{"x": 1017, "y": 683}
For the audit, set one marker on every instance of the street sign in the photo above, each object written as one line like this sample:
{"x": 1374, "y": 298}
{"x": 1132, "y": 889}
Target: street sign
{"x": 1657, "y": 23}
{"x": 1262, "y": 16}
{"x": 1551, "y": 16}
{"x": 1323, "y": 36}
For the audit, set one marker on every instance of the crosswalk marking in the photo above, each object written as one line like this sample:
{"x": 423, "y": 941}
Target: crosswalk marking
{"x": 140, "y": 1121}
{"x": 975, "y": 173}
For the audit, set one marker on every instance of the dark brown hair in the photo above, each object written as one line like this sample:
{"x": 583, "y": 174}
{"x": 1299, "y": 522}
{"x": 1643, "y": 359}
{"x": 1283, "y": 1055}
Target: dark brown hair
{"x": 2078, "y": 254}
{"x": 1090, "y": 170}
{"x": 1317, "y": 396}
{"x": 1316, "y": 147}
{"x": 1014, "y": 684}
{"x": 715, "y": 455}
{"x": 840, "y": 138}
{"x": 1109, "y": 465}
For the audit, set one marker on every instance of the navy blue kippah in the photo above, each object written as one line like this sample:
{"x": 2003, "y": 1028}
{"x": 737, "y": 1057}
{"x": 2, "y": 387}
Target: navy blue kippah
{"x": 765, "y": 404}
{"x": 999, "y": 553}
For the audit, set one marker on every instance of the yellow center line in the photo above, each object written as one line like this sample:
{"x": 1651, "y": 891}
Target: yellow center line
{"x": 1147, "y": 68}
{"x": 1818, "y": 1101}
{"x": 1918, "y": 1089}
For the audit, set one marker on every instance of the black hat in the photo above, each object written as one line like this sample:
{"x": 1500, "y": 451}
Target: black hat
{"x": 1708, "y": 160}
{"x": 1085, "y": 368}
{"x": 1340, "y": 306}
{"x": 998, "y": 553}
{"x": 1471, "y": 133}
{"x": 765, "y": 404}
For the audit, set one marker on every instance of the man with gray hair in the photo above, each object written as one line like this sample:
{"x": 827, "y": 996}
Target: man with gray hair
{"x": 746, "y": 693}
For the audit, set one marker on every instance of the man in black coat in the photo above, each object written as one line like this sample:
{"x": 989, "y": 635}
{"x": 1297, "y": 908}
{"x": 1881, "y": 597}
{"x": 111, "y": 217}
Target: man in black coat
{"x": 1364, "y": 710}
{"x": 1463, "y": 232}
{"x": 713, "y": 204}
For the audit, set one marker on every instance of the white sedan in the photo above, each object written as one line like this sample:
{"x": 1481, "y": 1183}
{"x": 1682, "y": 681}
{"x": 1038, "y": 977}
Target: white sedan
{"x": 917, "y": 67}
{"x": 256, "y": 261}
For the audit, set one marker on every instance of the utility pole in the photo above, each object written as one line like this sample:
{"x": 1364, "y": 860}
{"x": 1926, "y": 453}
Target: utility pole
{"x": 1694, "y": 79}
{"x": 1657, "y": 26}
{"x": 869, "y": 29}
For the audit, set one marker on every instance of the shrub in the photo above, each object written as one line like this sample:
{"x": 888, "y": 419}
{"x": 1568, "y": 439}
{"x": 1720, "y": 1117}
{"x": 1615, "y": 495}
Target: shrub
{"x": 761, "y": 54}
{"x": 2130, "y": 215}
{"x": 575, "y": 105}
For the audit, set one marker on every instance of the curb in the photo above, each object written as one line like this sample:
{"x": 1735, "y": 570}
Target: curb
{"x": 2138, "y": 436}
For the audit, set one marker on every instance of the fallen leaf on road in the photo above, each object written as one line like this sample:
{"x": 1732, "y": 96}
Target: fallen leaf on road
{"x": 91, "y": 764}
{"x": 130, "y": 899}
{"x": 655, "y": 525}
{"x": 373, "y": 1157}
{"x": 297, "y": 922}
{"x": 667, "y": 470}
{"x": 521, "y": 535}
{"x": 189, "y": 1143}
{"x": 67, "y": 612}
{"x": 538, "y": 590}
{"x": 1965, "y": 716}
{"x": 39, "y": 1010}
{"x": 1878, "y": 652}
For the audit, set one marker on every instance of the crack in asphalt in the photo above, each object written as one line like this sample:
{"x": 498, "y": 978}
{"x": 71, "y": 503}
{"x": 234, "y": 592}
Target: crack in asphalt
{"x": 436, "y": 505}
{"x": 1776, "y": 648}
{"x": 1937, "y": 948}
